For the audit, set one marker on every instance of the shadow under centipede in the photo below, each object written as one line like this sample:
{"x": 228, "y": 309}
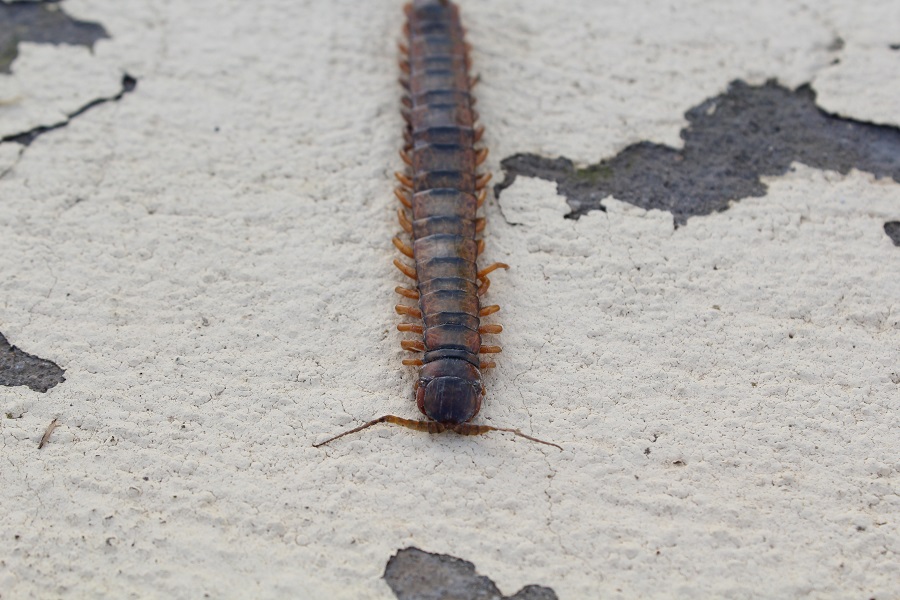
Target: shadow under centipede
{"x": 731, "y": 142}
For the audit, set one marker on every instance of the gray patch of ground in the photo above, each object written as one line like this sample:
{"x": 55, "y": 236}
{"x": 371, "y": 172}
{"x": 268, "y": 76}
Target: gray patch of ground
{"x": 414, "y": 574}
{"x": 41, "y": 23}
{"x": 731, "y": 142}
{"x": 892, "y": 229}
{"x": 20, "y": 368}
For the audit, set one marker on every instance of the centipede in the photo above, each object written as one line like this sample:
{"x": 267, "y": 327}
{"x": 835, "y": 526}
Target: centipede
{"x": 440, "y": 193}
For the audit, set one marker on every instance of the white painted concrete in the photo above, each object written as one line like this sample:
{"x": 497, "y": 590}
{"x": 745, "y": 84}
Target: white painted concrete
{"x": 209, "y": 260}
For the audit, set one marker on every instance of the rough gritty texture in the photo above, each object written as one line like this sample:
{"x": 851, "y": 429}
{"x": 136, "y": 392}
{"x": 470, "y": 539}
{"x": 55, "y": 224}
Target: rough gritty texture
{"x": 209, "y": 259}
{"x": 25, "y": 138}
{"x": 731, "y": 142}
{"x": 869, "y": 31}
{"x": 20, "y": 368}
{"x": 416, "y": 575}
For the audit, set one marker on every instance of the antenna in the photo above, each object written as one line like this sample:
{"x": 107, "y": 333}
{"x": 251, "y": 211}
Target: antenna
{"x": 435, "y": 427}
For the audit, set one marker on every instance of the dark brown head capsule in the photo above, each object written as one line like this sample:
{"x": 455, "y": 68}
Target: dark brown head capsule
{"x": 449, "y": 391}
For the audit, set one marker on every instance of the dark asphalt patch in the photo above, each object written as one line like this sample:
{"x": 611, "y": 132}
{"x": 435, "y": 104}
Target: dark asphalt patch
{"x": 41, "y": 23}
{"x": 892, "y": 229}
{"x": 731, "y": 142}
{"x": 417, "y": 575}
{"x": 20, "y": 368}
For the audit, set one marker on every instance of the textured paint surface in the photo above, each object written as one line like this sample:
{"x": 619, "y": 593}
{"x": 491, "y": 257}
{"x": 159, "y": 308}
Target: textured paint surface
{"x": 25, "y": 138}
{"x": 210, "y": 260}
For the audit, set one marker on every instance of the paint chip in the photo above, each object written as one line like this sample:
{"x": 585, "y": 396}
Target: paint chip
{"x": 414, "y": 574}
{"x": 733, "y": 140}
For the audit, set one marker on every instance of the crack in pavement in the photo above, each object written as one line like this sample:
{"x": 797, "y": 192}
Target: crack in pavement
{"x": 25, "y": 138}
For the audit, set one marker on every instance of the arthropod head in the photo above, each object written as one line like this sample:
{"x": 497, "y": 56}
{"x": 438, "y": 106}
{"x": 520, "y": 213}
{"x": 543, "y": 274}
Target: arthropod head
{"x": 449, "y": 400}
{"x": 449, "y": 391}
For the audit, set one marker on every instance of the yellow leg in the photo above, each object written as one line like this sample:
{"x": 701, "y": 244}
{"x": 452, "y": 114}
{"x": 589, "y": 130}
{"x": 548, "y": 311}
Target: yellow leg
{"x": 490, "y": 329}
{"x": 491, "y": 269}
{"x": 405, "y": 269}
{"x": 404, "y": 200}
{"x": 405, "y": 180}
{"x": 489, "y": 310}
{"x": 481, "y": 182}
{"x": 404, "y": 222}
{"x": 483, "y": 288}
{"x": 406, "y": 292}
{"x": 408, "y": 310}
{"x": 403, "y": 247}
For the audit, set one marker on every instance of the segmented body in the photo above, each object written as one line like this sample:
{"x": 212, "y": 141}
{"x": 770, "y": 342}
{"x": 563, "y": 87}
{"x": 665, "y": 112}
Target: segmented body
{"x": 443, "y": 191}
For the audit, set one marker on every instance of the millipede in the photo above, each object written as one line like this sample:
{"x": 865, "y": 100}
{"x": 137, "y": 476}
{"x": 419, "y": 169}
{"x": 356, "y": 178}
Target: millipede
{"x": 442, "y": 190}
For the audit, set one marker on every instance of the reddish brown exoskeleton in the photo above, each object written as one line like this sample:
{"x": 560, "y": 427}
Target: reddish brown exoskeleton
{"x": 443, "y": 190}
